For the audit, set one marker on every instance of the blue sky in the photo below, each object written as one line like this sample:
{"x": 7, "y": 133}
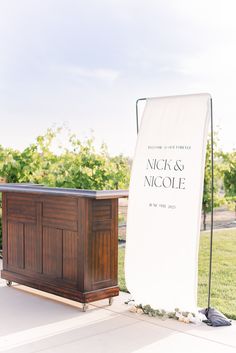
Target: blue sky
{"x": 85, "y": 63}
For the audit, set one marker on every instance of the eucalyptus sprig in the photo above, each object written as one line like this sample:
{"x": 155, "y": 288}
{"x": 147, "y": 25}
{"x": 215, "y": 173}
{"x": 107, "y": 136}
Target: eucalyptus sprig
{"x": 183, "y": 316}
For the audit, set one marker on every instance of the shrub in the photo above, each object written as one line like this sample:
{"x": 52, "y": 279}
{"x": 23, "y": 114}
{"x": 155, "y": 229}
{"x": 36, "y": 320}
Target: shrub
{"x": 0, "y": 232}
{"x": 78, "y": 165}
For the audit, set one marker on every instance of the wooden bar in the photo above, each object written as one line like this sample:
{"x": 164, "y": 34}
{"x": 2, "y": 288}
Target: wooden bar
{"x": 62, "y": 241}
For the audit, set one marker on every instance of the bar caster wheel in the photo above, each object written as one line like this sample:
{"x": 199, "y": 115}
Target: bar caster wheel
{"x": 9, "y": 283}
{"x": 85, "y": 307}
{"x": 111, "y": 300}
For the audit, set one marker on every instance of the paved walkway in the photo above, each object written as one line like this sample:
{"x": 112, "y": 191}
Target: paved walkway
{"x": 33, "y": 321}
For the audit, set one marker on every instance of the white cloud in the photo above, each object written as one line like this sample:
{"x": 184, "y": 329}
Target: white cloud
{"x": 58, "y": 57}
{"x": 103, "y": 74}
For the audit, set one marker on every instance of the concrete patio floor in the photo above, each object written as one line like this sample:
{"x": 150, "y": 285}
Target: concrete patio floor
{"x": 33, "y": 321}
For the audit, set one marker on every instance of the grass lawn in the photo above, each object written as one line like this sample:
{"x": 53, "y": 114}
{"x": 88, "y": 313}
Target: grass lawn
{"x": 223, "y": 293}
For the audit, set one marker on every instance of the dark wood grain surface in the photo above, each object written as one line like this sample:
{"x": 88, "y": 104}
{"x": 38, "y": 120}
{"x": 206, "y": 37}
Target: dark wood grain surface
{"x": 62, "y": 244}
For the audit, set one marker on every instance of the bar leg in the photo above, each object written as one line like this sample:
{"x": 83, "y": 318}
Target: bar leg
{"x": 111, "y": 300}
{"x": 9, "y": 283}
{"x": 85, "y": 307}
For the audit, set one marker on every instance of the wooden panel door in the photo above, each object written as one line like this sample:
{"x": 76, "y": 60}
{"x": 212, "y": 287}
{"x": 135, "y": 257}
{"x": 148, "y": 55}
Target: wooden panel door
{"x": 70, "y": 256}
{"x": 15, "y": 232}
{"x": 60, "y": 212}
{"x": 30, "y": 247}
{"x": 21, "y": 232}
{"x": 60, "y": 238}
{"x": 103, "y": 244}
{"x": 52, "y": 252}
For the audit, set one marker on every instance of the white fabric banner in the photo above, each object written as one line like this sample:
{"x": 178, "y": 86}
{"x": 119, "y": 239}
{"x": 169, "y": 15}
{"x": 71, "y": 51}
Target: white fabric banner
{"x": 165, "y": 199}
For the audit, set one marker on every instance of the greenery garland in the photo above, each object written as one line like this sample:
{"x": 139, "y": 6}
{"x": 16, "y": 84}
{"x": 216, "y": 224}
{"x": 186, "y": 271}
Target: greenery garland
{"x": 183, "y": 316}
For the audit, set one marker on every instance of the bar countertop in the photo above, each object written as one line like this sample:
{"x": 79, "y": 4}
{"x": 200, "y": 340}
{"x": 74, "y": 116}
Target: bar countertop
{"x": 40, "y": 189}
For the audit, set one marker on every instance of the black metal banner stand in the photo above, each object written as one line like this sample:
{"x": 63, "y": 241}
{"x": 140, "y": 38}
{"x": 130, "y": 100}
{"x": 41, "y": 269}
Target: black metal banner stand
{"x": 206, "y": 311}
{"x": 212, "y": 209}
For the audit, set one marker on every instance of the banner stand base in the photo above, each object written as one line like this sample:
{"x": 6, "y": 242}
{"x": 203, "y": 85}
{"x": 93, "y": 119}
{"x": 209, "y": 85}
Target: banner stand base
{"x": 215, "y": 318}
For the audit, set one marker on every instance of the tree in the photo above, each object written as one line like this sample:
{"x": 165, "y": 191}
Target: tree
{"x": 1, "y": 222}
{"x": 217, "y": 198}
{"x": 229, "y": 178}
